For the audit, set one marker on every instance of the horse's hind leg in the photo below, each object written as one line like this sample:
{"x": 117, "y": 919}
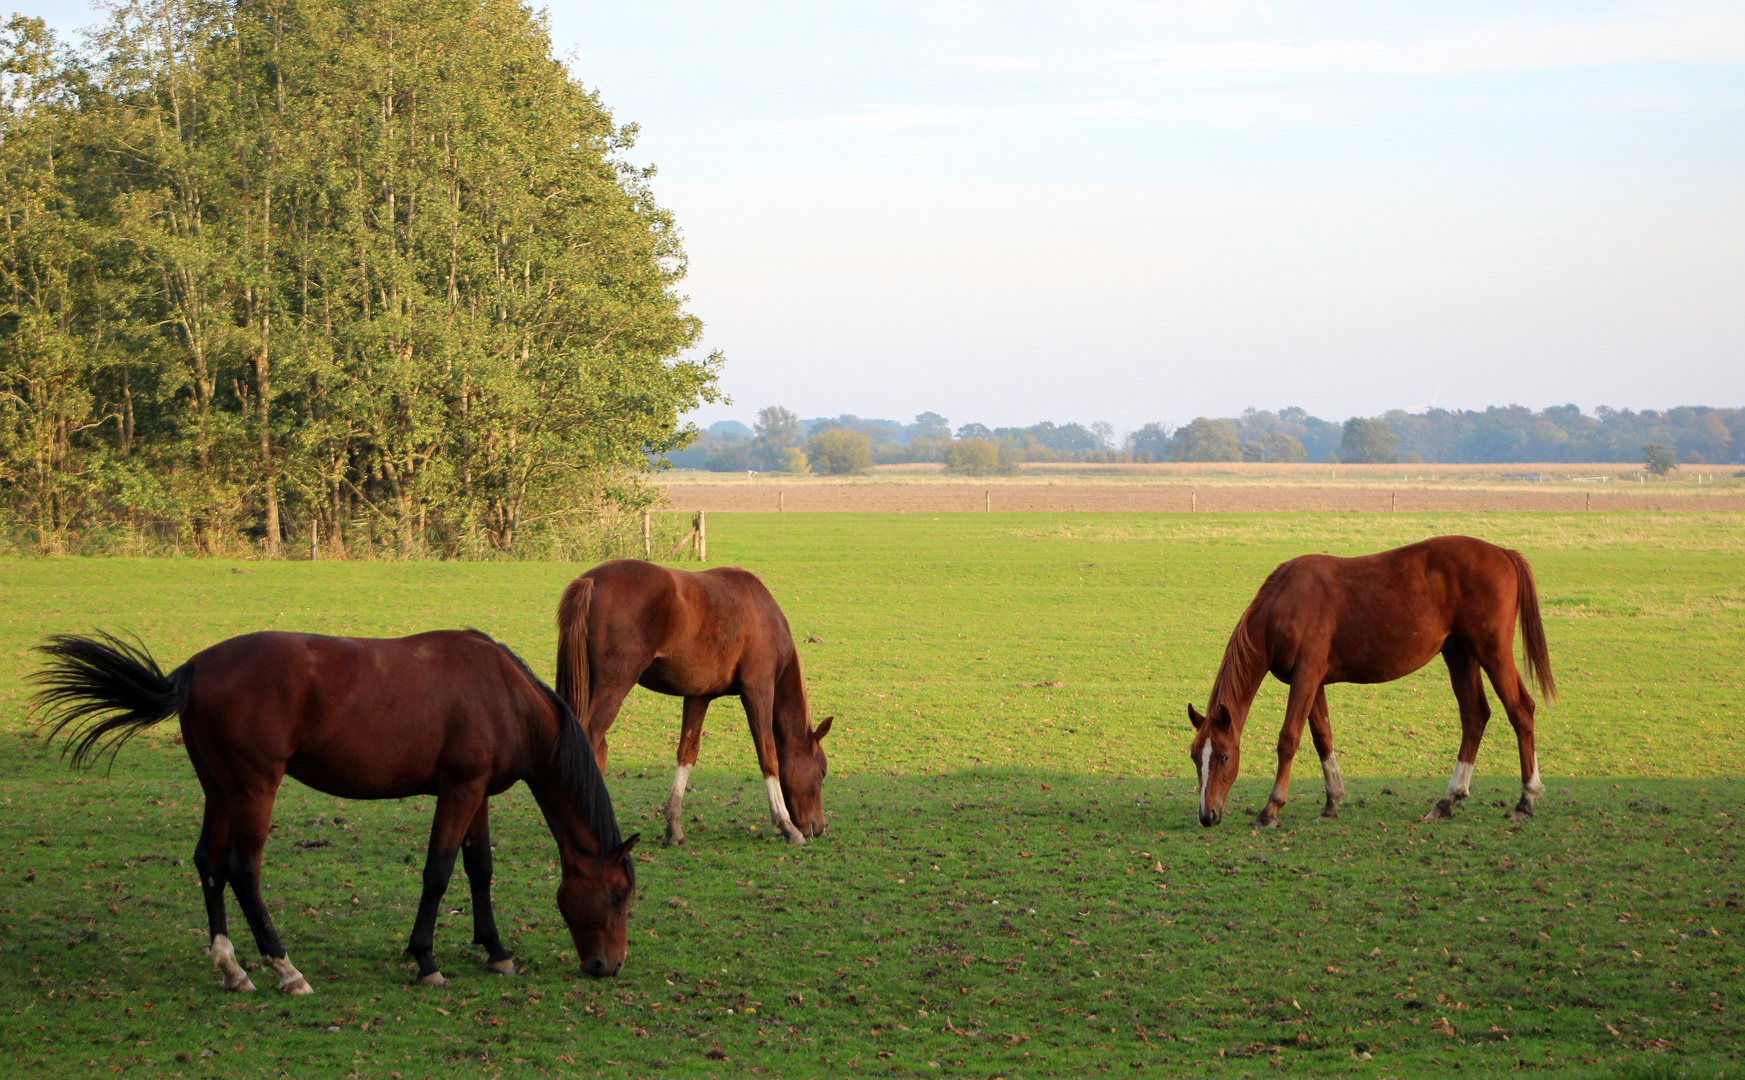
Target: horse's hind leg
{"x": 690, "y": 735}
{"x": 1467, "y": 678}
{"x": 1304, "y": 691}
{"x": 250, "y": 818}
{"x": 475, "y": 850}
{"x": 455, "y": 811}
{"x": 1322, "y": 732}
{"x": 1499, "y": 664}
{"x": 209, "y": 861}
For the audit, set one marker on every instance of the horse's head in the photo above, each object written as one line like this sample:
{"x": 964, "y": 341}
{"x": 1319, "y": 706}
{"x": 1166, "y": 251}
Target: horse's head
{"x": 1216, "y": 752}
{"x": 594, "y": 899}
{"x": 803, "y": 770}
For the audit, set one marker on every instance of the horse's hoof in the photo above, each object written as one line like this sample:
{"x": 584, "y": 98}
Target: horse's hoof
{"x": 673, "y": 839}
{"x": 1518, "y": 815}
{"x": 1264, "y": 822}
{"x": 244, "y": 986}
{"x": 1329, "y": 815}
{"x": 1437, "y": 813}
{"x": 795, "y": 836}
{"x": 433, "y": 979}
{"x": 297, "y": 987}
{"x": 505, "y": 966}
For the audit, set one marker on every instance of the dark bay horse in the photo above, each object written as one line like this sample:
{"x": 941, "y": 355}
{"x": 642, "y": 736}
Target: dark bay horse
{"x": 451, "y": 714}
{"x": 698, "y": 635}
{"x": 1320, "y": 619}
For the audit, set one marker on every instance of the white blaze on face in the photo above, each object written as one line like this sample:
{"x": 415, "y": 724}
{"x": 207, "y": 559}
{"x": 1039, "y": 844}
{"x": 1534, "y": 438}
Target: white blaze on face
{"x": 778, "y": 807}
{"x": 1205, "y": 773}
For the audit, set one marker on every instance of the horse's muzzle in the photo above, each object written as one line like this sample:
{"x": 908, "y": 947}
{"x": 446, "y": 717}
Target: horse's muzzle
{"x": 1209, "y": 818}
{"x": 601, "y": 968}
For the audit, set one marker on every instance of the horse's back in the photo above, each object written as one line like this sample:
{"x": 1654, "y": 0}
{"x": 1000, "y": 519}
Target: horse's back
{"x": 361, "y": 717}
{"x": 1373, "y": 618}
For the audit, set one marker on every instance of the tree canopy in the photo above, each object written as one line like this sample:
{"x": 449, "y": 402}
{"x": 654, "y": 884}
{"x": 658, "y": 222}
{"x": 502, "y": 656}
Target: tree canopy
{"x": 369, "y": 269}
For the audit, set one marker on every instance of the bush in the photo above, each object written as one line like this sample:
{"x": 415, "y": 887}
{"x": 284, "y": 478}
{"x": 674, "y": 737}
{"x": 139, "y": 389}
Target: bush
{"x": 839, "y": 452}
{"x": 972, "y": 457}
{"x": 794, "y": 461}
{"x": 1205, "y": 440}
{"x": 1658, "y": 459}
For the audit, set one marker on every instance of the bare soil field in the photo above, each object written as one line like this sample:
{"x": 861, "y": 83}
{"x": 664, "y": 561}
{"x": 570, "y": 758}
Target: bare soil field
{"x": 1215, "y": 487}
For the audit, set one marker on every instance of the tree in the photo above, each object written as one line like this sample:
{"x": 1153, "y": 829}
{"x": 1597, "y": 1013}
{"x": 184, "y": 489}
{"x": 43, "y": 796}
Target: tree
{"x": 930, "y": 425}
{"x": 975, "y": 431}
{"x": 345, "y": 263}
{"x": 1368, "y": 441}
{"x": 776, "y": 430}
{"x": 1277, "y": 446}
{"x": 1205, "y": 440}
{"x": 1149, "y": 443}
{"x": 1658, "y": 459}
{"x": 839, "y": 451}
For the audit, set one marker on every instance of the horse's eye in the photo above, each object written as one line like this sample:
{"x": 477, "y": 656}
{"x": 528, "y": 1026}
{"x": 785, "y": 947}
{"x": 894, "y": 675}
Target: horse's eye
{"x": 1223, "y": 759}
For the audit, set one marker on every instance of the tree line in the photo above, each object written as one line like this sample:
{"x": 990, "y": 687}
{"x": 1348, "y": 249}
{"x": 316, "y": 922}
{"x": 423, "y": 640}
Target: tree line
{"x": 781, "y": 441}
{"x": 370, "y": 274}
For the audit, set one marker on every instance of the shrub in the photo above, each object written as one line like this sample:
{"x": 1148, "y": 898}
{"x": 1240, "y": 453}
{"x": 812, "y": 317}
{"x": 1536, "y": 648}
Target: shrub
{"x": 839, "y": 451}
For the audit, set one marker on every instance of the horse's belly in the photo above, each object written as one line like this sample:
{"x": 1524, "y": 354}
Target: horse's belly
{"x": 355, "y": 779}
{"x": 680, "y": 680}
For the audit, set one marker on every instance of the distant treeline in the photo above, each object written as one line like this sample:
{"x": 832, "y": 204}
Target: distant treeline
{"x": 365, "y": 274}
{"x": 1695, "y": 434}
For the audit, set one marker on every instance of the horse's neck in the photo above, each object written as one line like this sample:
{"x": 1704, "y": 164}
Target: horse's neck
{"x": 790, "y": 712}
{"x": 1240, "y": 675}
{"x": 567, "y": 818}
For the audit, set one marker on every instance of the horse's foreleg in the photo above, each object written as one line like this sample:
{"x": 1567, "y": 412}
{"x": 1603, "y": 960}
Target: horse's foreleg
{"x": 209, "y": 862}
{"x": 475, "y": 851}
{"x": 690, "y": 736}
{"x": 250, "y": 818}
{"x": 1467, "y": 678}
{"x": 1297, "y": 707}
{"x": 760, "y": 714}
{"x": 1322, "y": 732}
{"x": 455, "y": 810}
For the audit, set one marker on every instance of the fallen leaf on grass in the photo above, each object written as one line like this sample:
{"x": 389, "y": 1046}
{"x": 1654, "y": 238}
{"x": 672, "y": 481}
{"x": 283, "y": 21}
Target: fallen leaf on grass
{"x": 1441, "y": 1026}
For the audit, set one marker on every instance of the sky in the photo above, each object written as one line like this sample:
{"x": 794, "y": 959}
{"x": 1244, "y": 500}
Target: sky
{"x": 1145, "y": 212}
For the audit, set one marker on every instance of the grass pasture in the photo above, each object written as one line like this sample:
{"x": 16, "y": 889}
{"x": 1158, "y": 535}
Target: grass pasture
{"x": 1013, "y": 884}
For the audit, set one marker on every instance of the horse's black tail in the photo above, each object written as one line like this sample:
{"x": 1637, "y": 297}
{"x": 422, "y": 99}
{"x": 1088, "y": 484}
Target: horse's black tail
{"x": 106, "y": 690}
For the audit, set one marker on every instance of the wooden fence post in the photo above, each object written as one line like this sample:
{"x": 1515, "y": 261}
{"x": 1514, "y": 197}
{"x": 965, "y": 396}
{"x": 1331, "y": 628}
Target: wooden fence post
{"x": 314, "y": 540}
{"x": 781, "y": 501}
{"x": 700, "y": 527}
{"x": 1193, "y": 501}
{"x": 647, "y": 537}
{"x": 988, "y": 500}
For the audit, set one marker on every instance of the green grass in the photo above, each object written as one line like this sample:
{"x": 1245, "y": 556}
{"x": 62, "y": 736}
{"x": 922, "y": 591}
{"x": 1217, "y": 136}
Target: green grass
{"x": 1602, "y": 938}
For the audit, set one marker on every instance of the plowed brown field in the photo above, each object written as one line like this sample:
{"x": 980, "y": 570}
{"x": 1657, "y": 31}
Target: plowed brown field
{"x": 1197, "y": 488}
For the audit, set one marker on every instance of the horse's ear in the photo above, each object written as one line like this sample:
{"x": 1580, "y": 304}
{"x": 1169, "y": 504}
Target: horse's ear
{"x": 1221, "y": 716}
{"x": 1194, "y": 716}
{"x": 823, "y": 729}
{"x": 623, "y": 850}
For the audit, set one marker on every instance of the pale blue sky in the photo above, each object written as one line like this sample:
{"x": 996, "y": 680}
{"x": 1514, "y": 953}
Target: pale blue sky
{"x": 1010, "y": 212}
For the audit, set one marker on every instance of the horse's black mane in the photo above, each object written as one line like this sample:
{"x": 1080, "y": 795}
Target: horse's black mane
{"x": 574, "y": 758}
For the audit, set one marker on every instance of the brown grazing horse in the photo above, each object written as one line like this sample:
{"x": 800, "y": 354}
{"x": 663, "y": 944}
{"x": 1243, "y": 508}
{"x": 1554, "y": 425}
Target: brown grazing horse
{"x": 699, "y": 636}
{"x": 1320, "y": 619}
{"x": 451, "y": 714}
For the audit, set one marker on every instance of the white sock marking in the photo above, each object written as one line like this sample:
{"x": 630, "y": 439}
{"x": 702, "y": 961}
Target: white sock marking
{"x": 288, "y": 975}
{"x": 1205, "y": 773}
{"x": 778, "y": 807}
{"x": 1460, "y": 784}
{"x": 1330, "y": 773}
{"x": 681, "y": 781}
{"x": 1535, "y": 786}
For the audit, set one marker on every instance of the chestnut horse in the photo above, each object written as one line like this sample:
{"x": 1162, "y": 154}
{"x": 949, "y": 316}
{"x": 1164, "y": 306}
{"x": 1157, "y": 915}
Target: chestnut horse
{"x": 1320, "y": 619}
{"x": 698, "y": 635}
{"x": 451, "y": 714}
